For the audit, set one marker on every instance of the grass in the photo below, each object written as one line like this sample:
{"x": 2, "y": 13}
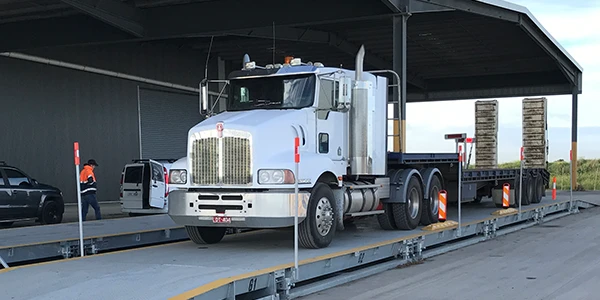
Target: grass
{"x": 588, "y": 173}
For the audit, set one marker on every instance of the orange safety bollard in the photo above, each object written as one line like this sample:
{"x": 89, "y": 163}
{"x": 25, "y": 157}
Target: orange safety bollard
{"x": 442, "y": 196}
{"x": 554, "y": 188}
{"x": 505, "y": 195}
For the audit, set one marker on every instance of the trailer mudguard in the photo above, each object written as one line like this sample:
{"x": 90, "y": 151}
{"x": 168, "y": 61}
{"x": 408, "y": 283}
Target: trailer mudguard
{"x": 398, "y": 188}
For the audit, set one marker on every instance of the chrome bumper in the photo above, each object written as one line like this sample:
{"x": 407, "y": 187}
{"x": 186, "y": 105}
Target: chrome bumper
{"x": 241, "y": 210}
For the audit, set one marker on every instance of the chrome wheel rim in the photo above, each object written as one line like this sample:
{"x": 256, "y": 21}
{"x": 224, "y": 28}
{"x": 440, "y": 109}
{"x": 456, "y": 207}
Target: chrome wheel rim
{"x": 434, "y": 199}
{"x": 324, "y": 216}
{"x": 413, "y": 203}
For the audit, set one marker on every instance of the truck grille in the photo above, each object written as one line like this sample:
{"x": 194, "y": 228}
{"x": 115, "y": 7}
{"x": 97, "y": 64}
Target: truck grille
{"x": 225, "y": 160}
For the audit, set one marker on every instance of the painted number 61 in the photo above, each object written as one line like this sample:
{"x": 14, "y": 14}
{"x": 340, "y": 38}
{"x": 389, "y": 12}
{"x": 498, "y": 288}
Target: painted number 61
{"x": 252, "y": 285}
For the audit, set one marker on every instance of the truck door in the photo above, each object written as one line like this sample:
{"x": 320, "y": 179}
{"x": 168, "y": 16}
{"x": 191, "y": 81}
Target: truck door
{"x": 157, "y": 186}
{"x": 330, "y": 123}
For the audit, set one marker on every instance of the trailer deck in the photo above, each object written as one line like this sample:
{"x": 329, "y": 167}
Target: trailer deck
{"x": 256, "y": 264}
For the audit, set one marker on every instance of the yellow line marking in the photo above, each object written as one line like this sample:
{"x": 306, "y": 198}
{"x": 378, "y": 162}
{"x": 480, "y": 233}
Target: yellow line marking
{"x": 88, "y": 256}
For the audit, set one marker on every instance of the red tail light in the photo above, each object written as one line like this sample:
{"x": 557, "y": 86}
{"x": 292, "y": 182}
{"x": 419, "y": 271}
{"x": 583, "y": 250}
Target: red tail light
{"x": 166, "y": 182}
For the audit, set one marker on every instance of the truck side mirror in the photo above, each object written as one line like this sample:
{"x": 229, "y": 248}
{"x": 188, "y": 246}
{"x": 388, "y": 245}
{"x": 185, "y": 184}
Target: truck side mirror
{"x": 203, "y": 96}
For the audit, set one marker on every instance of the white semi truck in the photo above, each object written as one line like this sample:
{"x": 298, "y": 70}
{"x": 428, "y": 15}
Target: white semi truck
{"x": 239, "y": 172}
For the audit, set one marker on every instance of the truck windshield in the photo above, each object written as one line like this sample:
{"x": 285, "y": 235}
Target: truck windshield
{"x": 277, "y": 92}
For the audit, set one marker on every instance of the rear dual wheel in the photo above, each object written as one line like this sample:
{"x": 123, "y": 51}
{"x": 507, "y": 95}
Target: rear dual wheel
{"x": 431, "y": 205}
{"x": 407, "y": 215}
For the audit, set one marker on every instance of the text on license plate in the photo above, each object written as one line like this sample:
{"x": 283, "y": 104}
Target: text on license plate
{"x": 221, "y": 219}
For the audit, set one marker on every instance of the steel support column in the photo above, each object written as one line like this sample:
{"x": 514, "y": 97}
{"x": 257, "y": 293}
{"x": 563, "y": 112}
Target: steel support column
{"x": 399, "y": 40}
{"x": 574, "y": 139}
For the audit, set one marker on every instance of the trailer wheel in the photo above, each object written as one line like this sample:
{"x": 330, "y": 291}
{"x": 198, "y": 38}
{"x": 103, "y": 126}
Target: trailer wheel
{"x": 205, "y": 235}
{"x": 319, "y": 226}
{"x": 408, "y": 214}
{"x": 539, "y": 186}
{"x": 431, "y": 205}
{"x": 529, "y": 191}
{"x": 386, "y": 219}
{"x": 517, "y": 190}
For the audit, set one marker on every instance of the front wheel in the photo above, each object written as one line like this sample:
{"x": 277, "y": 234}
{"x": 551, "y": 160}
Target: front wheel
{"x": 205, "y": 235}
{"x": 51, "y": 213}
{"x": 319, "y": 226}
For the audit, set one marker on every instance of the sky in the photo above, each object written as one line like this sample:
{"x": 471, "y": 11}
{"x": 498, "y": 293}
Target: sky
{"x": 575, "y": 25}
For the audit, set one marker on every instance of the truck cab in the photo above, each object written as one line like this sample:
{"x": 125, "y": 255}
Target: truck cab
{"x": 240, "y": 163}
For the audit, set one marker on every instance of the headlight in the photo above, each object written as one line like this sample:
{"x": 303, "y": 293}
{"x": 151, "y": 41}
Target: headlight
{"x": 275, "y": 177}
{"x": 178, "y": 176}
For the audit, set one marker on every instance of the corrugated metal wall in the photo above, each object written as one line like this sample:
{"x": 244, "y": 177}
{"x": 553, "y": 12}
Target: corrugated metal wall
{"x": 166, "y": 118}
{"x": 45, "y": 109}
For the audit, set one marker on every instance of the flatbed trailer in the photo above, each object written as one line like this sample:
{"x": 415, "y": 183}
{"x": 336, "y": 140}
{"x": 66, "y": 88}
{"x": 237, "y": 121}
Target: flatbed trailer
{"x": 476, "y": 183}
{"x": 259, "y": 264}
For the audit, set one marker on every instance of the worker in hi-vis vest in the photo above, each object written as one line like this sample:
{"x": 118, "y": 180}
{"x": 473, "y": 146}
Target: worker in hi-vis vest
{"x": 87, "y": 181}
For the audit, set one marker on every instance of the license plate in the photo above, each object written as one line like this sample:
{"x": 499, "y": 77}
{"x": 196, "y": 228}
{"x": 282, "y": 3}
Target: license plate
{"x": 221, "y": 219}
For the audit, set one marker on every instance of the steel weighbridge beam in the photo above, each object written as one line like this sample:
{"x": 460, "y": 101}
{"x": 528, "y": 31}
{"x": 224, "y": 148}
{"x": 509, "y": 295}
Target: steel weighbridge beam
{"x": 399, "y": 66}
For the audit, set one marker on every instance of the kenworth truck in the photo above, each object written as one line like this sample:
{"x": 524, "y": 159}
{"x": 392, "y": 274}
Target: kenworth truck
{"x": 239, "y": 168}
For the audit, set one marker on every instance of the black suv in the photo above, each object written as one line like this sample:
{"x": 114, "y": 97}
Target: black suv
{"x": 24, "y": 198}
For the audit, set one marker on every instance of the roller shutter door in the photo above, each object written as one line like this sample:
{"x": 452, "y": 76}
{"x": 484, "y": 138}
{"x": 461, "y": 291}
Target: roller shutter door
{"x": 165, "y": 118}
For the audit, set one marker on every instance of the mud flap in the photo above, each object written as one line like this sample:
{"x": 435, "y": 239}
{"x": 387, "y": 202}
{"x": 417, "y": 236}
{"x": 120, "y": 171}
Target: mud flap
{"x": 339, "y": 209}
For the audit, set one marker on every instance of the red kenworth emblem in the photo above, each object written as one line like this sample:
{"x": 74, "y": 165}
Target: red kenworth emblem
{"x": 220, "y": 129}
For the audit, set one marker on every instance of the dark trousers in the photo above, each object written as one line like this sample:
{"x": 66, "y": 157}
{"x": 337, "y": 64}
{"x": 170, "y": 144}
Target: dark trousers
{"x": 86, "y": 201}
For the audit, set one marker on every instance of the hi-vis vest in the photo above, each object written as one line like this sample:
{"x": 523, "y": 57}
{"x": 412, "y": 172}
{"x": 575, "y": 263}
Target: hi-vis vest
{"x": 87, "y": 181}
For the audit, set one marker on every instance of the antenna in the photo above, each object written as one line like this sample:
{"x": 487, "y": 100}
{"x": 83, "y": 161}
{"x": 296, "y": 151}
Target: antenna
{"x": 273, "y": 42}
{"x": 208, "y": 57}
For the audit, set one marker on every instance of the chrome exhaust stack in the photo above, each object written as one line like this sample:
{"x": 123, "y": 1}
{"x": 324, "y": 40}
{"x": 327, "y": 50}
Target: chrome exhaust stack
{"x": 360, "y": 162}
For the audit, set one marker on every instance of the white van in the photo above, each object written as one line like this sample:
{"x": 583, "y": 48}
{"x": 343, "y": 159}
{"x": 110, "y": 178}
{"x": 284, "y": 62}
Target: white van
{"x": 145, "y": 186}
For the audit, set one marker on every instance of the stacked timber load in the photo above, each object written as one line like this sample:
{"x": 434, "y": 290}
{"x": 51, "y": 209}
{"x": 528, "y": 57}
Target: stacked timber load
{"x": 535, "y": 132}
{"x": 486, "y": 134}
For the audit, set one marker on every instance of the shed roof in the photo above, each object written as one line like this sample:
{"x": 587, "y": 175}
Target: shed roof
{"x": 456, "y": 49}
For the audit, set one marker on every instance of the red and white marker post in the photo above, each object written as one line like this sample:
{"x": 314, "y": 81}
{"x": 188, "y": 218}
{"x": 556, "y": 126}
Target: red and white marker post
{"x": 296, "y": 178}
{"x": 77, "y": 162}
